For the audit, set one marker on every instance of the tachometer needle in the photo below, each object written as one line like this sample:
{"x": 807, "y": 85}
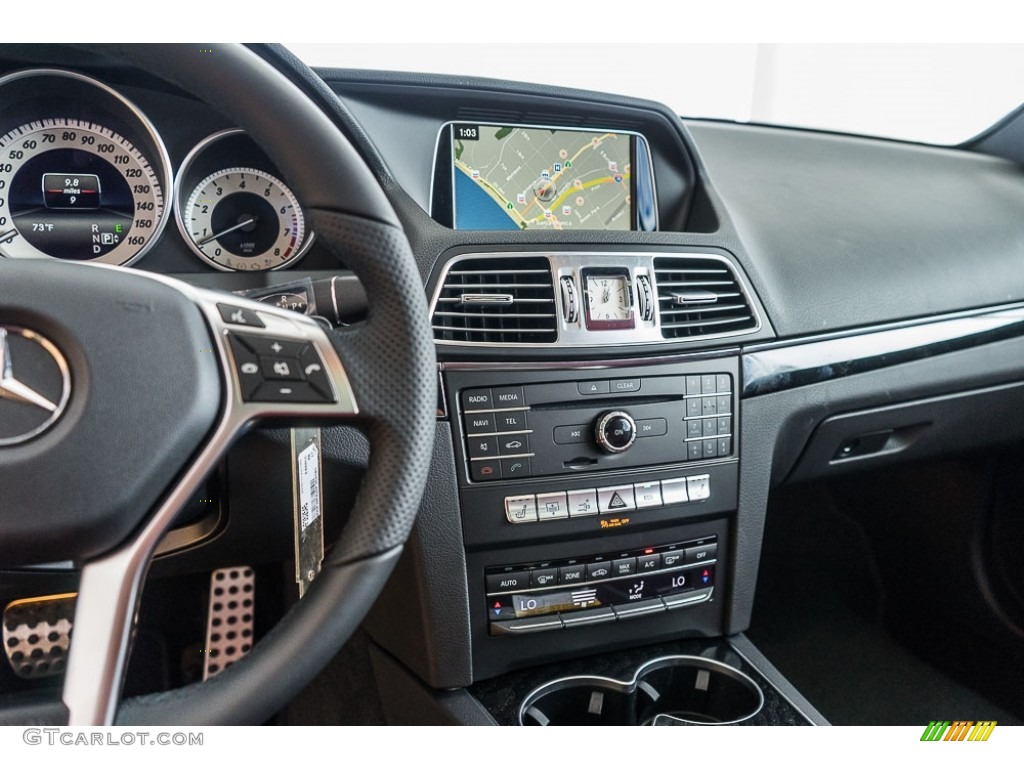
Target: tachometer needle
{"x": 205, "y": 240}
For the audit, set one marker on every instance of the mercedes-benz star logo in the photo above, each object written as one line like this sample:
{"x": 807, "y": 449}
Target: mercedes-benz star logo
{"x": 33, "y": 393}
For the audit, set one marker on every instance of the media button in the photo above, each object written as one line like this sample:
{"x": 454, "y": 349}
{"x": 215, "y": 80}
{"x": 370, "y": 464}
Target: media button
{"x": 508, "y": 397}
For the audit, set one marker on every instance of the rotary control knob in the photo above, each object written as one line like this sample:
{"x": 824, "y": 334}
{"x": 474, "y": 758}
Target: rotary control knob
{"x": 615, "y": 431}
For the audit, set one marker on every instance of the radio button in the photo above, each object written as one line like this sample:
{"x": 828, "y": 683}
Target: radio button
{"x": 647, "y": 494}
{"x": 552, "y": 506}
{"x": 508, "y": 582}
{"x": 508, "y": 397}
{"x": 583, "y": 502}
{"x": 572, "y": 574}
{"x": 674, "y": 491}
{"x": 477, "y": 400}
{"x": 592, "y": 387}
{"x": 479, "y": 423}
{"x": 521, "y": 509}
{"x": 618, "y": 498}
{"x": 571, "y": 434}
{"x": 699, "y": 487}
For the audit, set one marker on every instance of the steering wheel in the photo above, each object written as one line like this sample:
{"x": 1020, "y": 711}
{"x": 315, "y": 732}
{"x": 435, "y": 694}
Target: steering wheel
{"x": 156, "y": 394}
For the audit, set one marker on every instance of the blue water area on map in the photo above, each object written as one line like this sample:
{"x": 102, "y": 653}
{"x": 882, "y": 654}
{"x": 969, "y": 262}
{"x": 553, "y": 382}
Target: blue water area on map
{"x": 475, "y": 209}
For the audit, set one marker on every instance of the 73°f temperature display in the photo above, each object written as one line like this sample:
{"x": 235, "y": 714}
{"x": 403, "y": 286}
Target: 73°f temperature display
{"x": 73, "y": 189}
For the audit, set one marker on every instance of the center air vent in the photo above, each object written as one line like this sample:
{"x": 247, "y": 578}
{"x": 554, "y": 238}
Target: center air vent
{"x": 497, "y": 301}
{"x": 700, "y": 296}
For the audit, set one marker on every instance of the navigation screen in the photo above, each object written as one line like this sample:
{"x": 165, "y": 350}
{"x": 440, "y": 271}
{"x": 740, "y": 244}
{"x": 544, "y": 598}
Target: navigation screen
{"x": 514, "y": 177}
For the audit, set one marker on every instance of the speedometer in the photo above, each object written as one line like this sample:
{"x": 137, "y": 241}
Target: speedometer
{"x": 84, "y": 175}
{"x": 76, "y": 190}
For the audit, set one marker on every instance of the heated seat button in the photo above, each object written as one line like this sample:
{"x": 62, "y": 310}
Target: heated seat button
{"x": 521, "y": 509}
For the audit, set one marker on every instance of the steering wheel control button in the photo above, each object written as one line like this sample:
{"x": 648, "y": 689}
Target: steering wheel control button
{"x": 552, "y": 506}
{"x": 247, "y": 367}
{"x": 593, "y": 387}
{"x": 268, "y": 346}
{"x": 280, "y": 368}
{"x": 239, "y": 316}
{"x": 288, "y": 392}
{"x": 674, "y": 491}
{"x": 615, "y": 432}
{"x": 35, "y": 384}
{"x": 313, "y": 370}
{"x": 521, "y": 509}
{"x": 477, "y": 400}
{"x": 699, "y": 487}
{"x": 618, "y": 498}
{"x": 582, "y": 502}
{"x": 508, "y": 397}
{"x": 647, "y": 495}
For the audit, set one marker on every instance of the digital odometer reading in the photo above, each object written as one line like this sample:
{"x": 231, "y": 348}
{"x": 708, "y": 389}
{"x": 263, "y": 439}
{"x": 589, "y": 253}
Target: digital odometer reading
{"x": 514, "y": 177}
{"x": 74, "y": 189}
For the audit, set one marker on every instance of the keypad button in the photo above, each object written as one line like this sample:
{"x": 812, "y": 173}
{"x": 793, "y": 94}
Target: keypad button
{"x": 723, "y": 382}
{"x": 707, "y": 384}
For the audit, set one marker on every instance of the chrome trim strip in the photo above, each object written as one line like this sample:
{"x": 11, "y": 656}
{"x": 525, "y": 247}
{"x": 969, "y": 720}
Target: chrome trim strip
{"x": 775, "y": 368}
{"x": 731, "y": 642}
{"x": 571, "y": 264}
{"x": 590, "y": 365}
{"x": 110, "y": 585}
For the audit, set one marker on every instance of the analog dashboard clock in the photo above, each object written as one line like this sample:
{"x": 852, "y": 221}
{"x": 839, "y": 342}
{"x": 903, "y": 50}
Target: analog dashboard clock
{"x": 609, "y": 299}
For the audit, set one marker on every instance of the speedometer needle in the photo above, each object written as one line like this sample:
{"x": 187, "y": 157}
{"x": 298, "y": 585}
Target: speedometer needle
{"x": 245, "y": 223}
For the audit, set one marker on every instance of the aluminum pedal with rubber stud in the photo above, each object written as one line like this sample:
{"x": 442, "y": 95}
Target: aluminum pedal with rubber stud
{"x": 229, "y": 619}
{"x": 37, "y": 634}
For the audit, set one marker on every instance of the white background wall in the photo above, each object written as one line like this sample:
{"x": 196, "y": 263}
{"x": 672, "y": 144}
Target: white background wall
{"x": 940, "y": 93}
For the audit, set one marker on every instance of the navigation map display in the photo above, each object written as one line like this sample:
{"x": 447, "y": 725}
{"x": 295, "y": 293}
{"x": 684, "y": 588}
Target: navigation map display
{"x": 518, "y": 177}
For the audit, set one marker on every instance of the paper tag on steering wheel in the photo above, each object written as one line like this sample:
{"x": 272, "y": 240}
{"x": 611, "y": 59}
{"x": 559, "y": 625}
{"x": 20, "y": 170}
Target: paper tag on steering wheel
{"x": 307, "y": 493}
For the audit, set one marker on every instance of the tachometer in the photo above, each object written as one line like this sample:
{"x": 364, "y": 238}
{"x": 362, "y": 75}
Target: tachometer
{"x": 75, "y": 189}
{"x": 244, "y": 219}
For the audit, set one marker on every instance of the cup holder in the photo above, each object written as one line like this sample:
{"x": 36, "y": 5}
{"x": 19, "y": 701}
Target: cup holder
{"x": 673, "y": 690}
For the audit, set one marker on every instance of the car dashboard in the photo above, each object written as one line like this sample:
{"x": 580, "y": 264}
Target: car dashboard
{"x": 649, "y": 331}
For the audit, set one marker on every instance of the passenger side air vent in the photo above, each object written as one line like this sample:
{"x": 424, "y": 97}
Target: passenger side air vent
{"x": 700, "y": 296}
{"x": 497, "y": 301}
